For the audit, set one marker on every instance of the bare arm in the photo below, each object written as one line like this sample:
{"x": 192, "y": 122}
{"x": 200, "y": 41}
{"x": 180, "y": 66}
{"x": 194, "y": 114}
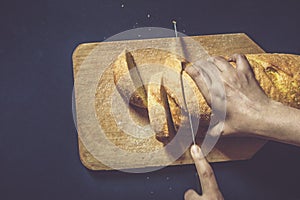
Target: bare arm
{"x": 280, "y": 123}
{"x": 248, "y": 110}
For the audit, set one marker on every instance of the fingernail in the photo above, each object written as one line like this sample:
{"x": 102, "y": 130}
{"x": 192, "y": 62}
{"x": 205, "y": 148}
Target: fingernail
{"x": 195, "y": 149}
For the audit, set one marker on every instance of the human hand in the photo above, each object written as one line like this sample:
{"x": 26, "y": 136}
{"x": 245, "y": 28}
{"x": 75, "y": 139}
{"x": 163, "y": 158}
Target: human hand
{"x": 210, "y": 189}
{"x": 244, "y": 97}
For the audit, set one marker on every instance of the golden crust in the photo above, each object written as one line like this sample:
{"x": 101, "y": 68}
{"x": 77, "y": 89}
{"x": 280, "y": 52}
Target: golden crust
{"x": 279, "y": 76}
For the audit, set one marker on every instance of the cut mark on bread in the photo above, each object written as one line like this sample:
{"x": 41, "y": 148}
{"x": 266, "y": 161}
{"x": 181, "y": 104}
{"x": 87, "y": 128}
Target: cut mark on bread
{"x": 136, "y": 79}
{"x": 128, "y": 80}
{"x": 159, "y": 110}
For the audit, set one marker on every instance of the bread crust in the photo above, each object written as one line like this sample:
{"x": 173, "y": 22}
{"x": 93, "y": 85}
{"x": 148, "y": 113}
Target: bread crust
{"x": 279, "y": 76}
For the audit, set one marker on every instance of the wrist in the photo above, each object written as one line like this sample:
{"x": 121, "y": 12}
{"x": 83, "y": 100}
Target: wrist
{"x": 265, "y": 118}
{"x": 260, "y": 118}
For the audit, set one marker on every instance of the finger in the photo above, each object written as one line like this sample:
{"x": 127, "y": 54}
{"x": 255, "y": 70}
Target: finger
{"x": 222, "y": 64}
{"x": 215, "y": 130}
{"x": 201, "y": 80}
{"x": 242, "y": 64}
{"x": 191, "y": 195}
{"x": 205, "y": 172}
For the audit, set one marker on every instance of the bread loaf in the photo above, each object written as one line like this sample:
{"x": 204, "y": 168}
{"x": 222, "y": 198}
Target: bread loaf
{"x": 277, "y": 74}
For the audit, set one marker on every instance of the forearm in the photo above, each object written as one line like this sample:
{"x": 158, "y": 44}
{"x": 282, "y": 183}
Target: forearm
{"x": 280, "y": 123}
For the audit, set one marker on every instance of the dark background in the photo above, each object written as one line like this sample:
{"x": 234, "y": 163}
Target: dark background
{"x": 38, "y": 140}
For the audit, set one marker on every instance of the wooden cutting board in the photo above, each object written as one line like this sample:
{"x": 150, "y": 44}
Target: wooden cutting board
{"x": 94, "y": 86}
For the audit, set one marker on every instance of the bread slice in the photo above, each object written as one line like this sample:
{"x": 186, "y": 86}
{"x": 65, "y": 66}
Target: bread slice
{"x": 128, "y": 80}
{"x": 159, "y": 109}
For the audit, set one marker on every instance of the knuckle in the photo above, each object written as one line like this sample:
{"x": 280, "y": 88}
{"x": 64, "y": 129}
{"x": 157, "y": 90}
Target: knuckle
{"x": 249, "y": 75}
{"x": 247, "y": 71}
{"x": 245, "y": 68}
{"x": 239, "y": 55}
{"x": 235, "y": 55}
{"x": 233, "y": 80}
{"x": 193, "y": 71}
{"x": 207, "y": 173}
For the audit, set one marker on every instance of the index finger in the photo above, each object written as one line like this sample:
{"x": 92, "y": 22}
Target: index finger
{"x": 202, "y": 73}
{"x": 242, "y": 64}
{"x": 205, "y": 172}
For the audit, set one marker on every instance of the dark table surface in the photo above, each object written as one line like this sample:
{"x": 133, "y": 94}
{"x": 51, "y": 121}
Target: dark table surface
{"x": 38, "y": 139}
